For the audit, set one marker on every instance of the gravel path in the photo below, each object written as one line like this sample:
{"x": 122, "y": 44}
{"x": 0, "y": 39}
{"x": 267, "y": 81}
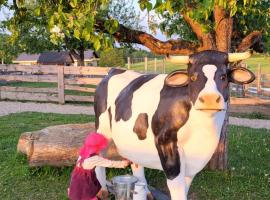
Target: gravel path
{"x": 15, "y": 107}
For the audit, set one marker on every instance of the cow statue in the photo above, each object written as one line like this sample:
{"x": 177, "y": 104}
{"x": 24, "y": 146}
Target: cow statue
{"x": 168, "y": 122}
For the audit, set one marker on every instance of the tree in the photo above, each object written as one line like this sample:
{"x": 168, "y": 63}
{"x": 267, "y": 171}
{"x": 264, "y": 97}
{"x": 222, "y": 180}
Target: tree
{"x": 224, "y": 25}
{"x": 112, "y": 58}
{"x": 7, "y": 52}
{"x": 46, "y": 25}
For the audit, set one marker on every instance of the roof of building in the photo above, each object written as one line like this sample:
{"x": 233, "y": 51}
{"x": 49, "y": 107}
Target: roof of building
{"x": 55, "y": 57}
{"x": 27, "y": 57}
{"x": 52, "y": 58}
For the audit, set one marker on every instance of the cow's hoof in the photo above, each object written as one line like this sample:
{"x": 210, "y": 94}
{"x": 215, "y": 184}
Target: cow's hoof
{"x": 150, "y": 196}
{"x": 103, "y": 194}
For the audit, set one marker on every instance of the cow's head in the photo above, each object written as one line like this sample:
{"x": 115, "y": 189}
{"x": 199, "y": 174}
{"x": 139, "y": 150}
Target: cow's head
{"x": 208, "y": 77}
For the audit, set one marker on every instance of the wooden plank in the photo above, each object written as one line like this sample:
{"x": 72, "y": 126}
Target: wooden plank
{"x": 61, "y": 85}
{"x": 90, "y": 81}
{"x": 101, "y": 71}
{"x": 28, "y": 89}
{"x": 79, "y": 98}
{"x": 78, "y": 88}
{"x": 46, "y": 69}
{"x": 30, "y": 78}
{"x": 266, "y": 84}
{"x": 29, "y": 96}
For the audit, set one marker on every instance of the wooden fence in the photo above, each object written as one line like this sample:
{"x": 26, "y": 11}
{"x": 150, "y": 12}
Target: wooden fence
{"x": 66, "y": 77}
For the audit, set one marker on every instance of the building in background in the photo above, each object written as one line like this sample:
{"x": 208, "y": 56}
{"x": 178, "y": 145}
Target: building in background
{"x": 56, "y": 58}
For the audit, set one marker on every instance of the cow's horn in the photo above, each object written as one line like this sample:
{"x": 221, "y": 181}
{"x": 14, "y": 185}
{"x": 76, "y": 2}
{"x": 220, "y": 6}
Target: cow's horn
{"x": 178, "y": 59}
{"x": 233, "y": 57}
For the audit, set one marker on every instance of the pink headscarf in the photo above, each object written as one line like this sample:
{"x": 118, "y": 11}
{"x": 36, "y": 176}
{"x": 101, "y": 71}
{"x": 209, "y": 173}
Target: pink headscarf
{"x": 94, "y": 143}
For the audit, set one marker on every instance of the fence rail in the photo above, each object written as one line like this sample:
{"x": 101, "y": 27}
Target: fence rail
{"x": 67, "y": 78}
{"x": 78, "y": 79}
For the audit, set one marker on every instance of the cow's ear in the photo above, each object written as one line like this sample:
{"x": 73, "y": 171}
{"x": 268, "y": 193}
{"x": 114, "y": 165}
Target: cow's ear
{"x": 177, "y": 79}
{"x": 241, "y": 76}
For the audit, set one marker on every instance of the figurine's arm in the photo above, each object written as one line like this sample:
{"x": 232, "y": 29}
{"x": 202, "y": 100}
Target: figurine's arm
{"x": 94, "y": 161}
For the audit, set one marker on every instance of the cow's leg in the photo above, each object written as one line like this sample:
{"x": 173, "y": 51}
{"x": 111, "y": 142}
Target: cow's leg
{"x": 177, "y": 186}
{"x": 138, "y": 171}
{"x": 188, "y": 180}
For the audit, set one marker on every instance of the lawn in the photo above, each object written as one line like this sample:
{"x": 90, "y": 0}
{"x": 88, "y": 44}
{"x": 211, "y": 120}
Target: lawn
{"x": 252, "y": 64}
{"x": 248, "y": 176}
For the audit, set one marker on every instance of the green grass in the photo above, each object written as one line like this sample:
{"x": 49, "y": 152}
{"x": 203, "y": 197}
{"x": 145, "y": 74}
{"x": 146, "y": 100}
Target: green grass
{"x": 252, "y": 63}
{"x": 248, "y": 177}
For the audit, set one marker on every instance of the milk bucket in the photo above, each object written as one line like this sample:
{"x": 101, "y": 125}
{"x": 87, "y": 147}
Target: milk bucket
{"x": 123, "y": 187}
{"x": 140, "y": 191}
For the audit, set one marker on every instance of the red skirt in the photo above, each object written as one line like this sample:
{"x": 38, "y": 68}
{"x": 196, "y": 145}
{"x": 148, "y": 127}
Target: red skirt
{"x": 84, "y": 184}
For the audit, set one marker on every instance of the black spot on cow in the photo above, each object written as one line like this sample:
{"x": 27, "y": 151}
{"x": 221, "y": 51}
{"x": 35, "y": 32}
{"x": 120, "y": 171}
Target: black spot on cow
{"x": 171, "y": 114}
{"x": 110, "y": 117}
{"x": 141, "y": 126}
{"x": 100, "y": 99}
{"x": 124, "y": 99}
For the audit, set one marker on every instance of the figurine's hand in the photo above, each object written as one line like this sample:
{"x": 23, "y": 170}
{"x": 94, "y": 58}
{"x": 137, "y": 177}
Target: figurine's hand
{"x": 125, "y": 163}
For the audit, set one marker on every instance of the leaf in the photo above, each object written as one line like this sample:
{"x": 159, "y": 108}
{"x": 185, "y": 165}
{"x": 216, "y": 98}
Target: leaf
{"x": 77, "y": 34}
{"x": 96, "y": 44}
{"x": 73, "y": 3}
{"x": 111, "y": 25}
{"x": 37, "y": 11}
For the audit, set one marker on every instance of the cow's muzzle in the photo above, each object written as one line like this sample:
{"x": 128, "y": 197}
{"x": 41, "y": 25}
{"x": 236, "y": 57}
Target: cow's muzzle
{"x": 210, "y": 102}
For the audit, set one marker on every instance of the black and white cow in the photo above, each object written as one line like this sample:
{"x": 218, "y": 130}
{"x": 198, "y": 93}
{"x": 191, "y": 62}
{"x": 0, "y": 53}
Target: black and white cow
{"x": 168, "y": 122}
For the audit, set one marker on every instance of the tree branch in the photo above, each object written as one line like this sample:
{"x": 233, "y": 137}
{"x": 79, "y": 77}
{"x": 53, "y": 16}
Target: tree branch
{"x": 207, "y": 39}
{"x": 124, "y": 34}
{"x": 252, "y": 40}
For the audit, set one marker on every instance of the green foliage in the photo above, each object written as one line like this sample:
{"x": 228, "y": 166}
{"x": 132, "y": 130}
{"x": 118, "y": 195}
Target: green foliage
{"x": 249, "y": 15}
{"x": 7, "y": 51}
{"x": 112, "y": 58}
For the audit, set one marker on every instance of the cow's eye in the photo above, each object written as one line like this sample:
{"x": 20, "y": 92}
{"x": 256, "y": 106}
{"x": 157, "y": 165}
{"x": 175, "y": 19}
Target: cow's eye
{"x": 223, "y": 77}
{"x": 194, "y": 77}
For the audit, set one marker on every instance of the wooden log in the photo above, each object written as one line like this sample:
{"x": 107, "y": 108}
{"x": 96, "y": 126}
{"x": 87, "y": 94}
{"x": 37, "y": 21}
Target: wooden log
{"x": 55, "y": 146}
{"x": 28, "y": 96}
{"x": 58, "y": 145}
{"x": 30, "y": 78}
{"x": 79, "y": 88}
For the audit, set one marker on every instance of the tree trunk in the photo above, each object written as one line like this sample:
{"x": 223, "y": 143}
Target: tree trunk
{"x": 223, "y": 41}
{"x": 81, "y": 57}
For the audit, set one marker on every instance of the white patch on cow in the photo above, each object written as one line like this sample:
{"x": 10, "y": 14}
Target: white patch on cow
{"x": 199, "y": 138}
{"x": 115, "y": 85}
{"x": 210, "y": 88}
{"x": 143, "y": 152}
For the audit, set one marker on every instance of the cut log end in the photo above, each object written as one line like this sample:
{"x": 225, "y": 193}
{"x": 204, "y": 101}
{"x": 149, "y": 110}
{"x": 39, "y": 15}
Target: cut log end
{"x": 59, "y": 145}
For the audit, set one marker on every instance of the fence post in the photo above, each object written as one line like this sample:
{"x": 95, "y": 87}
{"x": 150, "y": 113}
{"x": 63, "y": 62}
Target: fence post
{"x": 155, "y": 65}
{"x": 259, "y": 79}
{"x": 163, "y": 66}
{"x": 145, "y": 64}
{"x": 61, "y": 85}
{"x": 128, "y": 62}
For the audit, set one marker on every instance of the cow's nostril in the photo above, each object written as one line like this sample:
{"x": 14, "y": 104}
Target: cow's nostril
{"x": 218, "y": 99}
{"x": 201, "y": 99}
